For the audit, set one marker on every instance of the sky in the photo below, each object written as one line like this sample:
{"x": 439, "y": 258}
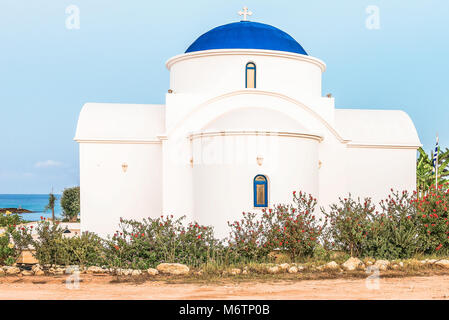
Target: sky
{"x": 48, "y": 69}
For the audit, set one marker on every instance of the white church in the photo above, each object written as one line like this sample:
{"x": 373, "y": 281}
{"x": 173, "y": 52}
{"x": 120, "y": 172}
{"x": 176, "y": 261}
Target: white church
{"x": 244, "y": 124}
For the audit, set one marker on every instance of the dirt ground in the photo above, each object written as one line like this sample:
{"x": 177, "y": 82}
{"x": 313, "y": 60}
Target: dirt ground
{"x": 106, "y": 287}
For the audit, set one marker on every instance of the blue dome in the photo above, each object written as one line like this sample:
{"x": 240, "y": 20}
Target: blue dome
{"x": 246, "y": 35}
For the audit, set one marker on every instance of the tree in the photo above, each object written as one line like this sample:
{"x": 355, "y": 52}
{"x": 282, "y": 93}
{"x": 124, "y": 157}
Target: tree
{"x": 70, "y": 203}
{"x": 425, "y": 174}
{"x": 51, "y": 205}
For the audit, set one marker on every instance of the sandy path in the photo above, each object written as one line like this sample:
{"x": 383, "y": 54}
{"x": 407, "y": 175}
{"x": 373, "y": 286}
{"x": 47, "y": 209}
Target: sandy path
{"x": 433, "y": 287}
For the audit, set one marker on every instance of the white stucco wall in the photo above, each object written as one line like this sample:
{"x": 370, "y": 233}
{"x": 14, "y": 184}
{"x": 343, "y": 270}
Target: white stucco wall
{"x": 108, "y": 193}
{"x": 221, "y": 71}
{"x": 225, "y": 167}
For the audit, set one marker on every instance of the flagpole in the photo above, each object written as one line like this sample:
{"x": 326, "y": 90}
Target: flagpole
{"x": 436, "y": 165}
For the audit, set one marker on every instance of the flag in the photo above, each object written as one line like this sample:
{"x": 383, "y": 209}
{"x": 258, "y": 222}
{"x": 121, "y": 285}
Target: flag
{"x": 435, "y": 157}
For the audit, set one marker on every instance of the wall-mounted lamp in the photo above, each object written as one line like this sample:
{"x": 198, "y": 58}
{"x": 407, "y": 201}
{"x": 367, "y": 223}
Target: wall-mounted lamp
{"x": 170, "y": 91}
{"x": 191, "y": 162}
{"x": 259, "y": 160}
{"x": 124, "y": 167}
{"x": 319, "y": 164}
{"x": 329, "y": 95}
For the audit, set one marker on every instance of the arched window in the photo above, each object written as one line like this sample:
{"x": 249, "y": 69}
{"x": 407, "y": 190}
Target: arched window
{"x": 260, "y": 191}
{"x": 250, "y": 76}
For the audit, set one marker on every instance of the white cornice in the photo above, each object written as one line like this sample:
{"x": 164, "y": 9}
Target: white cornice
{"x": 120, "y": 141}
{"x": 196, "y": 135}
{"x": 252, "y": 52}
{"x": 381, "y": 146}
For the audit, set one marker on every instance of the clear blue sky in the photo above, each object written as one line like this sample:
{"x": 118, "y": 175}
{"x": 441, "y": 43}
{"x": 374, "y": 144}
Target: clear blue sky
{"x": 47, "y": 71}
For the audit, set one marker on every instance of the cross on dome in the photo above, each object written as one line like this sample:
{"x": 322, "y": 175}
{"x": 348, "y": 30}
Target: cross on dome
{"x": 245, "y": 13}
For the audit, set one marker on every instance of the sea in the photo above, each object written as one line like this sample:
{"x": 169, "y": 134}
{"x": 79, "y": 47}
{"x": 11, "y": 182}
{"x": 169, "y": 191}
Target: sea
{"x": 32, "y": 202}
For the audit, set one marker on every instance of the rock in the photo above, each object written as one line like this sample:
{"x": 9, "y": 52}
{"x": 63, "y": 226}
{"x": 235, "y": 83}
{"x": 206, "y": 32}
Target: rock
{"x": 273, "y": 270}
{"x": 94, "y": 269}
{"x": 331, "y": 266}
{"x": 395, "y": 267}
{"x": 2, "y": 272}
{"x": 38, "y": 272}
{"x": 382, "y": 264}
{"x": 35, "y": 267}
{"x": 136, "y": 272}
{"x": 152, "y": 272}
{"x": 443, "y": 263}
{"x": 284, "y": 266}
{"x": 300, "y": 268}
{"x": 198, "y": 273}
{"x": 173, "y": 268}
{"x": 27, "y": 273}
{"x": 369, "y": 263}
{"x": 11, "y": 270}
{"x": 245, "y": 271}
{"x": 401, "y": 264}
{"x": 60, "y": 271}
{"x": 352, "y": 264}
{"x": 293, "y": 270}
{"x": 235, "y": 271}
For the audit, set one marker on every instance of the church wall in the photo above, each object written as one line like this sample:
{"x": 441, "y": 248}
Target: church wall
{"x": 108, "y": 193}
{"x": 220, "y": 73}
{"x": 372, "y": 172}
{"x": 225, "y": 166}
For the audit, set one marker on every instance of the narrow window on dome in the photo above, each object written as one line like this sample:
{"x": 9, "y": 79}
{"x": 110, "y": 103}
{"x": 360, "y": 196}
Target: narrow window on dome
{"x": 250, "y": 77}
{"x": 260, "y": 191}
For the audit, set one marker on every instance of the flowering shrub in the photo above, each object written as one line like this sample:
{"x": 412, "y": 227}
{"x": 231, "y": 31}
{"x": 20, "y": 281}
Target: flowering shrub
{"x": 394, "y": 233}
{"x": 294, "y": 228}
{"x": 9, "y": 219}
{"x": 432, "y": 209}
{"x": 8, "y": 254}
{"x": 290, "y": 228}
{"x": 144, "y": 244}
{"x": 348, "y": 225}
{"x": 248, "y": 238}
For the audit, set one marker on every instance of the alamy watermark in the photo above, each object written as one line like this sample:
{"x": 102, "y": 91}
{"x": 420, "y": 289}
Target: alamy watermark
{"x": 372, "y": 22}
{"x": 72, "y": 22}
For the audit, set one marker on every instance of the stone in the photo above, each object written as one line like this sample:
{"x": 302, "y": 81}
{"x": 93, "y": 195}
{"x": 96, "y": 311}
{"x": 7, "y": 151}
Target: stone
{"x": 293, "y": 270}
{"x": 35, "y": 267}
{"x": 27, "y": 273}
{"x": 395, "y": 267}
{"x": 284, "y": 266}
{"x": 12, "y": 270}
{"x": 38, "y": 272}
{"x": 173, "y": 268}
{"x": 443, "y": 263}
{"x": 152, "y": 272}
{"x": 136, "y": 273}
{"x": 300, "y": 268}
{"x": 245, "y": 271}
{"x": 94, "y": 269}
{"x": 352, "y": 264}
{"x": 382, "y": 264}
{"x": 60, "y": 271}
{"x": 273, "y": 270}
{"x": 401, "y": 264}
{"x": 2, "y": 272}
{"x": 235, "y": 271}
{"x": 331, "y": 266}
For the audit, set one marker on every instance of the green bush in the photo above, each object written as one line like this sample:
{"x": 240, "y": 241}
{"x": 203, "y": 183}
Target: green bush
{"x": 394, "y": 234}
{"x": 52, "y": 247}
{"x": 141, "y": 245}
{"x": 70, "y": 203}
{"x": 348, "y": 225}
{"x": 287, "y": 228}
{"x": 432, "y": 211}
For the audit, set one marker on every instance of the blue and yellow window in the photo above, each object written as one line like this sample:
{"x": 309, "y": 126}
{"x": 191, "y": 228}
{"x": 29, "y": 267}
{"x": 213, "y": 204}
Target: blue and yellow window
{"x": 260, "y": 185}
{"x": 250, "y": 76}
